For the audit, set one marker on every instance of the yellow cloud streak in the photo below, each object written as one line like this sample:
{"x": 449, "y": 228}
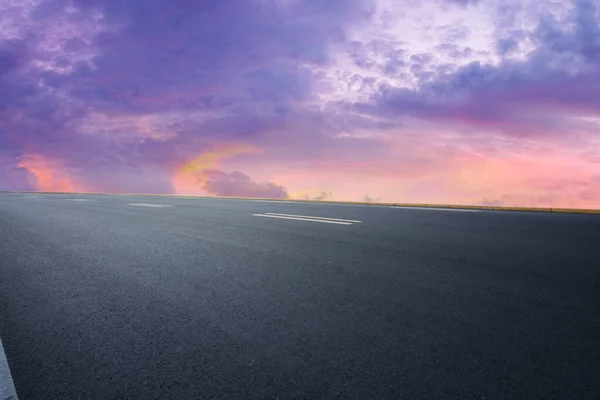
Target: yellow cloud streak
{"x": 189, "y": 177}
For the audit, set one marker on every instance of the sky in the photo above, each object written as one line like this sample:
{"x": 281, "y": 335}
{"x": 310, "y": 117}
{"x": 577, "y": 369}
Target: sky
{"x": 488, "y": 102}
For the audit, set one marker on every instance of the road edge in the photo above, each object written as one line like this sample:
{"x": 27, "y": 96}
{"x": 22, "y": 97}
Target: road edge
{"x": 416, "y": 205}
{"x": 7, "y": 385}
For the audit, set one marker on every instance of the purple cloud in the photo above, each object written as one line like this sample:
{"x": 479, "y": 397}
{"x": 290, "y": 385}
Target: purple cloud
{"x": 187, "y": 54}
{"x": 464, "y": 2}
{"x": 16, "y": 178}
{"x": 99, "y": 89}
{"x": 245, "y": 62}
{"x": 236, "y": 183}
{"x": 562, "y": 74}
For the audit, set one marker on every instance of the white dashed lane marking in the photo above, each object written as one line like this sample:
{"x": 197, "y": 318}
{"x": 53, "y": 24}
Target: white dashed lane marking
{"x": 309, "y": 218}
{"x": 150, "y": 205}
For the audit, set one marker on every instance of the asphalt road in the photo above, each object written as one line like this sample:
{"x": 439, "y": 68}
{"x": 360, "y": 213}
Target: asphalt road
{"x": 113, "y": 298}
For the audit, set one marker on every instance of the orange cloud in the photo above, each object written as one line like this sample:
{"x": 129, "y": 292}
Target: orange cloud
{"x": 49, "y": 174}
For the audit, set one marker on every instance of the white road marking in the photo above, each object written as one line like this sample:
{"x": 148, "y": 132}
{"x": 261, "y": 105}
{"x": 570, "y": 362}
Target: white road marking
{"x": 151, "y": 205}
{"x": 79, "y": 200}
{"x": 437, "y": 209}
{"x": 304, "y": 219}
{"x": 312, "y": 217}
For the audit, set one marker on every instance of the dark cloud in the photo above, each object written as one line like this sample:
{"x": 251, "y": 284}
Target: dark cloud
{"x": 238, "y": 184}
{"x": 16, "y": 178}
{"x": 507, "y": 45}
{"x": 12, "y": 56}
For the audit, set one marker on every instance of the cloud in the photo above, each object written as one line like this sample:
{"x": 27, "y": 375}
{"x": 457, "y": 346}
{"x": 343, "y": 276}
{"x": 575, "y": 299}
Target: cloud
{"x": 81, "y": 79}
{"x": 420, "y": 99}
{"x": 185, "y": 55}
{"x": 17, "y": 179}
{"x": 464, "y": 2}
{"x": 238, "y": 184}
{"x": 561, "y": 77}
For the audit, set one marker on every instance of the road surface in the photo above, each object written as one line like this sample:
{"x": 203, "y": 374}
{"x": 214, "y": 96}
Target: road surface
{"x": 137, "y": 297}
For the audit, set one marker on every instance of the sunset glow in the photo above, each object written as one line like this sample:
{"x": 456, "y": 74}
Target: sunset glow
{"x": 446, "y": 101}
{"x": 49, "y": 177}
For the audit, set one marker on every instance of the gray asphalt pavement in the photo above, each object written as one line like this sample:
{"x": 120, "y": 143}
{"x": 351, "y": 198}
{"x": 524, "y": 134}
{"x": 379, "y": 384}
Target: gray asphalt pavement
{"x": 135, "y": 297}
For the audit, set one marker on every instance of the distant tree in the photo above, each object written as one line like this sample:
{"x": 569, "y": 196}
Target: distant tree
{"x": 369, "y": 199}
{"x": 323, "y": 196}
